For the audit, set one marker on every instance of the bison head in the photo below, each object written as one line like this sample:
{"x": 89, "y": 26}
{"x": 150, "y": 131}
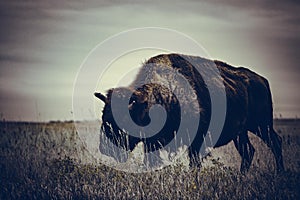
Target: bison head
{"x": 139, "y": 103}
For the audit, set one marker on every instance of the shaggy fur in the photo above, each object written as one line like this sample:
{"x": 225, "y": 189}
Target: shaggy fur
{"x": 249, "y": 106}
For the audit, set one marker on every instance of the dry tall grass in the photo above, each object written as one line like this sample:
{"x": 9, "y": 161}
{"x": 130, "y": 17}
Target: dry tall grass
{"x": 47, "y": 160}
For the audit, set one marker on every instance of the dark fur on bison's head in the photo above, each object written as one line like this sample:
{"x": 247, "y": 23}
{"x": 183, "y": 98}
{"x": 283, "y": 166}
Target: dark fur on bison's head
{"x": 139, "y": 104}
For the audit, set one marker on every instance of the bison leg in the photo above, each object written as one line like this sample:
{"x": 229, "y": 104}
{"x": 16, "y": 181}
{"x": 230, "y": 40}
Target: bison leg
{"x": 194, "y": 158}
{"x": 245, "y": 149}
{"x": 274, "y": 142}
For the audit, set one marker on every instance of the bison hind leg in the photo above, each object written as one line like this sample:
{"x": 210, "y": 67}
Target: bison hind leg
{"x": 274, "y": 142}
{"x": 245, "y": 149}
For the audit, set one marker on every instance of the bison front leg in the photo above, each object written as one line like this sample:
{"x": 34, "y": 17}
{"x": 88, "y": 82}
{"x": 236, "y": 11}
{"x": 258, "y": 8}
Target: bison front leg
{"x": 245, "y": 149}
{"x": 194, "y": 158}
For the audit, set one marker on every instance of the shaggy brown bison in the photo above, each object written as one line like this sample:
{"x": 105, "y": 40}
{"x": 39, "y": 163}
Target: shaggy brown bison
{"x": 188, "y": 104}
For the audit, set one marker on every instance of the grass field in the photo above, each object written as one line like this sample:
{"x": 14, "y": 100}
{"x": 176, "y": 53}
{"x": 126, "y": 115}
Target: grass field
{"x": 48, "y": 160}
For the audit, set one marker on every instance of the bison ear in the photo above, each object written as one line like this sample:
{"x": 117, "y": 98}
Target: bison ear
{"x": 100, "y": 96}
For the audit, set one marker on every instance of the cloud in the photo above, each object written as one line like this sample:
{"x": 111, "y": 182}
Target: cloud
{"x": 44, "y": 42}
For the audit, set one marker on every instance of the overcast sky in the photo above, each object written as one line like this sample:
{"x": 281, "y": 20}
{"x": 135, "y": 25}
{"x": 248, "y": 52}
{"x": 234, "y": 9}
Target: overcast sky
{"x": 44, "y": 43}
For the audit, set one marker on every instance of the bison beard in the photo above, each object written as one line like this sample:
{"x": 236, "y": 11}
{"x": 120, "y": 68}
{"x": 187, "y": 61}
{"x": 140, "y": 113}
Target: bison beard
{"x": 249, "y": 107}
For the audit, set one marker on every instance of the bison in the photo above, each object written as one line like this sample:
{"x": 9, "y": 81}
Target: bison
{"x": 248, "y": 107}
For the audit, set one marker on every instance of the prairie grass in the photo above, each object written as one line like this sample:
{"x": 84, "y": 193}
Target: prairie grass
{"x": 48, "y": 161}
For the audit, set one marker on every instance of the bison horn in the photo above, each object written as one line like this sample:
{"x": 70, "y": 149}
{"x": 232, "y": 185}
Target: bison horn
{"x": 100, "y": 96}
